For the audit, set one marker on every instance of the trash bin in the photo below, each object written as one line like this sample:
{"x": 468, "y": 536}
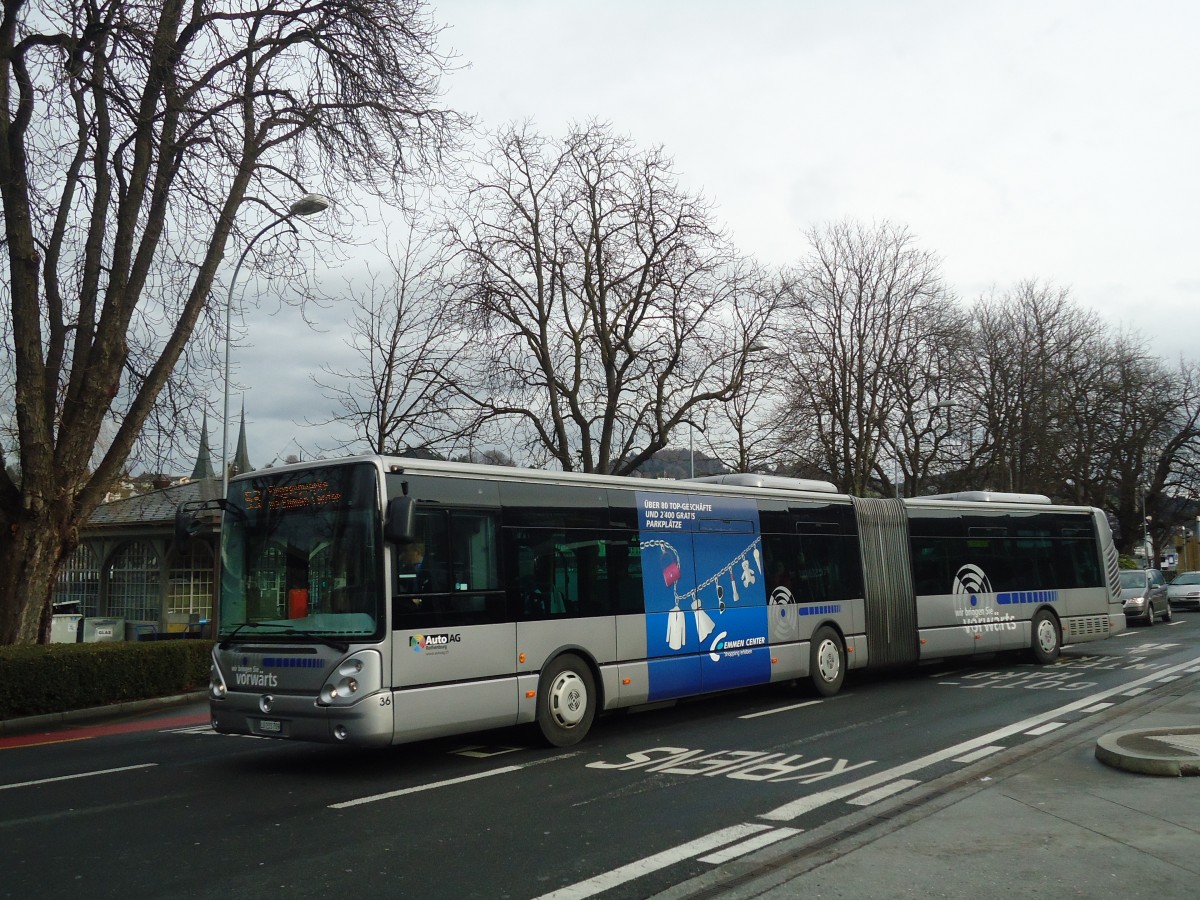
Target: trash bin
{"x": 64, "y": 628}
{"x": 96, "y": 628}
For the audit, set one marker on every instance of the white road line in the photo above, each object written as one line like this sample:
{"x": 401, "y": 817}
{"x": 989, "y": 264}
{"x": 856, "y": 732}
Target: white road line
{"x": 771, "y": 712}
{"x": 207, "y": 730}
{"x": 1136, "y": 692}
{"x": 5, "y": 787}
{"x": 1169, "y": 679}
{"x": 608, "y": 880}
{"x": 1096, "y": 707}
{"x": 799, "y": 807}
{"x": 1046, "y": 729}
{"x": 425, "y": 787}
{"x": 765, "y": 839}
{"x": 979, "y": 754}
{"x": 884, "y": 792}
{"x": 483, "y": 752}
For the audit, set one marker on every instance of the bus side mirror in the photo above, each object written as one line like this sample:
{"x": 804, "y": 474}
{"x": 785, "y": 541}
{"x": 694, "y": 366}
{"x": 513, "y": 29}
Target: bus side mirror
{"x": 400, "y": 526}
{"x": 195, "y": 516}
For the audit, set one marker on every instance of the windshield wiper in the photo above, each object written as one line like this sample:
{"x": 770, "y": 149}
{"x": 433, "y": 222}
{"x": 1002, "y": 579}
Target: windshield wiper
{"x": 288, "y": 630}
{"x": 340, "y": 646}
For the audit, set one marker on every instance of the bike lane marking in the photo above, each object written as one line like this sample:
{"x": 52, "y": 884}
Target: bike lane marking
{"x": 796, "y": 808}
{"x": 68, "y": 735}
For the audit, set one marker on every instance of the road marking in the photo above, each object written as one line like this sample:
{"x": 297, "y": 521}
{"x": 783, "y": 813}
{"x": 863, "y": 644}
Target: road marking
{"x": 771, "y": 712}
{"x": 425, "y": 787}
{"x": 611, "y": 879}
{"x": 799, "y": 807}
{"x": 1096, "y": 707}
{"x": 1046, "y": 729}
{"x": 5, "y": 787}
{"x": 884, "y": 792}
{"x": 482, "y": 752}
{"x": 208, "y": 730}
{"x": 979, "y": 754}
{"x": 765, "y": 839}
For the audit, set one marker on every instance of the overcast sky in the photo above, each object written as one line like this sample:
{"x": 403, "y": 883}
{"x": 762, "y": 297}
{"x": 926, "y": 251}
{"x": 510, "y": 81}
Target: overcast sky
{"x": 1052, "y": 140}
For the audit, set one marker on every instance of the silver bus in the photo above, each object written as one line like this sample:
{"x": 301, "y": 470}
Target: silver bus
{"x": 378, "y": 600}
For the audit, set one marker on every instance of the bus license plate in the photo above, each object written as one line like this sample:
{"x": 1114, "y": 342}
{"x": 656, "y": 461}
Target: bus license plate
{"x": 271, "y": 726}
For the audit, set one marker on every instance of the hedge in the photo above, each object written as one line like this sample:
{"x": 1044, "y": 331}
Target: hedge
{"x": 54, "y": 678}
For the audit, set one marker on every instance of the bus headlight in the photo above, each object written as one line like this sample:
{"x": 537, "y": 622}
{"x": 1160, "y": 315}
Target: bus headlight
{"x": 216, "y": 683}
{"x": 359, "y": 673}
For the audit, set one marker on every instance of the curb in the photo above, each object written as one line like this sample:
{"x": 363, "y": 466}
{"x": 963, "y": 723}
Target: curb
{"x": 1152, "y": 751}
{"x": 29, "y": 724}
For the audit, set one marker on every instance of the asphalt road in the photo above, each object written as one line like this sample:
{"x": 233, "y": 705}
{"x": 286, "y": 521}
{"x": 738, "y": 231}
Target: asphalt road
{"x": 159, "y": 805}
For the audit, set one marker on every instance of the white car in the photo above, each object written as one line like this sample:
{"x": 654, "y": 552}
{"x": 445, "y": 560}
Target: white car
{"x": 1184, "y": 591}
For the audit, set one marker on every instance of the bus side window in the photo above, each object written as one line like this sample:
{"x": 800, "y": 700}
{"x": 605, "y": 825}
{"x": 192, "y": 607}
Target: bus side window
{"x": 781, "y": 558}
{"x": 474, "y": 552}
{"x": 422, "y": 566}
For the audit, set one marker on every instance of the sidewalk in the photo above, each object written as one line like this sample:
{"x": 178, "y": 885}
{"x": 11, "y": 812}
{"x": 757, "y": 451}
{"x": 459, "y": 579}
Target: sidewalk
{"x": 1075, "y": 817}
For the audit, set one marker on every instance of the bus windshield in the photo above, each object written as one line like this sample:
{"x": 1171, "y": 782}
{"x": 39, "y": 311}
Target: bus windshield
{"x": 300, "y": 555}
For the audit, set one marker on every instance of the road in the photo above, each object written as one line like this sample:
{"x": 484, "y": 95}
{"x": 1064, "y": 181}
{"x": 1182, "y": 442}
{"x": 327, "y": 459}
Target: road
{"x": 159, "y": 805}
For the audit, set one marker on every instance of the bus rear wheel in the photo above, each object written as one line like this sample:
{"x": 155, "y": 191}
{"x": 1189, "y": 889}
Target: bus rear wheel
{"x": 1047, "y": 639}
{"x": 827, "y": 661}
{"x": 566, "y": 703}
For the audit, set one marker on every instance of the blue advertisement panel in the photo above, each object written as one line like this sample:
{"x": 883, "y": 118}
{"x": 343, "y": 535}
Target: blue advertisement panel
{"x": 702, "y": 573}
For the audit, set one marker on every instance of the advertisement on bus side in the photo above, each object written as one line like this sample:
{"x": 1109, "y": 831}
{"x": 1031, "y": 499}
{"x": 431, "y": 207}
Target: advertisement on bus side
{"x": 705, "y": 597}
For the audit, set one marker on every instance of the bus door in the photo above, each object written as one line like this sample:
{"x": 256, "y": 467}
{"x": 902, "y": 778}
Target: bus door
{"x": 732, "y": 613}
{"x": 676, "y": 620}
{"x": 453, "y": 638}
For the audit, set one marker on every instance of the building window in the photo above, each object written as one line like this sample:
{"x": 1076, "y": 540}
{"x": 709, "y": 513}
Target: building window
{"x": 191, "y": 590}
{"x": 134, "y": 591}
{"x": 79, "y": 582}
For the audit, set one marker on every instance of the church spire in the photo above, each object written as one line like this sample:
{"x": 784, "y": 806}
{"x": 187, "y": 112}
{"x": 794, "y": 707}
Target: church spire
{"x": 203, "y": 467}
{"x": 241, "y": 459}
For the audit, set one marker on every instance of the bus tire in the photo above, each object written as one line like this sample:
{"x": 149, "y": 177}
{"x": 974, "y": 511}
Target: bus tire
{"x": 827, "y": 661}
{"x": 1047, "y": 638}
{"x": 566, "y": 703}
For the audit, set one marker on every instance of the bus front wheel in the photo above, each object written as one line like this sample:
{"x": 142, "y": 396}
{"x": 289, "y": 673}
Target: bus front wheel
{"x": 827, "y": 662}
{"x": 1047, "y": 639}
{"x": 566, "y": 701}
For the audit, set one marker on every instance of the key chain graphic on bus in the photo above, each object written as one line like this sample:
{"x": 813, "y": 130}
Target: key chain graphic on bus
{"x": 672, "y": 572}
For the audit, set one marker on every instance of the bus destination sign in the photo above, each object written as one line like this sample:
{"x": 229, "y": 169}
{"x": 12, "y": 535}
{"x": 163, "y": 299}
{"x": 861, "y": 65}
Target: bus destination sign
{"x": 281, "y": 497}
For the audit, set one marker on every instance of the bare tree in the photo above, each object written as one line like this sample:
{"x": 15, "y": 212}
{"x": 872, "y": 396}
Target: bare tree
{"x": 1151, "y": 456}
{"x": 609, "y": 309}
{"x": 137, "y": 139}
{"x": 746, "y": 433}
{"x": 928, "y": 383}
{"x": 1033, "y": 348}
{"x": 407, "y": 393}
{"x": 859, "y": 303}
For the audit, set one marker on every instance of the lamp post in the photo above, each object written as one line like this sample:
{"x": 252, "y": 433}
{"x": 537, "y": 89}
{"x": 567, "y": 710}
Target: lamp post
{"x": 1145, "y": 532}
{"x": 308, "y": 205}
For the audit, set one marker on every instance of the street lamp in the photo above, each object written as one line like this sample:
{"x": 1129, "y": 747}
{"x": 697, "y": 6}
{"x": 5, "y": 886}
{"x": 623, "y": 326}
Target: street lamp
{"x": 1145, "y": 532}
{"x": 308, "y": 205}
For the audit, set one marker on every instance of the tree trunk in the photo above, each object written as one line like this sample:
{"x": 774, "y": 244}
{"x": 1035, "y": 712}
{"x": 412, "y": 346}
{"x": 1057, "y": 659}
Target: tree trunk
{"x": 30, "y": 552}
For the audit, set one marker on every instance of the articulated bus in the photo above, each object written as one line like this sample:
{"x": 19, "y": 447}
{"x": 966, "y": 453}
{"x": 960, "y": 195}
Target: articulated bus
{"x": 375, "y": 600}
